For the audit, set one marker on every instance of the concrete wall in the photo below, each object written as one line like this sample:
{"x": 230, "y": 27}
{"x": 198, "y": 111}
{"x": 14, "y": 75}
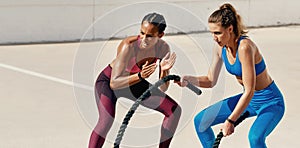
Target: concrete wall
{"x": 33, "y": 21}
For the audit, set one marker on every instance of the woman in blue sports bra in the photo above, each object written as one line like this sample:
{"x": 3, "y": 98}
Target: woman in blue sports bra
{"x": 126, "y": 77}
{"x": 261, "y": 97}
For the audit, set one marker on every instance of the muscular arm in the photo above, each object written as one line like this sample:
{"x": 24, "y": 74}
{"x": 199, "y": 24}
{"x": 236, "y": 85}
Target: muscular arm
{"x": 211, "y": 78}
{"x": 126, "y": 42}
{"x": 118, "y": 79}
{"x": 246, "y": 56}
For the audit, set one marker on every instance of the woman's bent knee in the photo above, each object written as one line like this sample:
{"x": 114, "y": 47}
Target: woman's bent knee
{"x": 256, "y": 141}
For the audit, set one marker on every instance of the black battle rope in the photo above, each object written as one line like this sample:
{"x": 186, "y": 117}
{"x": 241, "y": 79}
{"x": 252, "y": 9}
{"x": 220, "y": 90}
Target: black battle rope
{"x": 145, "y": 95}
{"x": 238, "y": 121}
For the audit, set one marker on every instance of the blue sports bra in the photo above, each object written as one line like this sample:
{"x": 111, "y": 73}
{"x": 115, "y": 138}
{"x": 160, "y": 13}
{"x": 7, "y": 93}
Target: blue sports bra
{"x": 236, "y": 67}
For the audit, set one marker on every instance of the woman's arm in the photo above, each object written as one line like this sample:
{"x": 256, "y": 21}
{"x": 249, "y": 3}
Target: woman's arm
{"x": 121, "y": 79}
{"x": 246, "y": 56}
{"x": 118, "y": 79}
{"x": 211, "y": 78}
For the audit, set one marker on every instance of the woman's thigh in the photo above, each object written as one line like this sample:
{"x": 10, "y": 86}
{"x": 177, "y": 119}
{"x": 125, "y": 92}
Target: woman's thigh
{"x": 219, "y": 112}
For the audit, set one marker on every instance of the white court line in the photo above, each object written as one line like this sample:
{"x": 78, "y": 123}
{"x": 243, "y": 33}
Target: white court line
{"x": 36, "y": 74}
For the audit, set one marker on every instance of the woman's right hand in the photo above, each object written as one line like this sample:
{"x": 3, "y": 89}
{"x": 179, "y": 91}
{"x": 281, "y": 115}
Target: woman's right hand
{"x": 183, "y": 81}
{"x": 147, "y": 70}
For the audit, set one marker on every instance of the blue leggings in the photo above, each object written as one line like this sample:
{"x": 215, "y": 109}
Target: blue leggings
{"x": 266, "y": 104}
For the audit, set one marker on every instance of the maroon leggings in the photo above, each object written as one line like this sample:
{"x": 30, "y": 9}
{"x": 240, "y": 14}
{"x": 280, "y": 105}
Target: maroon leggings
{"x": 106, "y": 100}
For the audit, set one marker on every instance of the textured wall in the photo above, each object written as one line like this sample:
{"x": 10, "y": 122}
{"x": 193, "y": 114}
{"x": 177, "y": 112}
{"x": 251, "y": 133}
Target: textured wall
{"x": 27, "y": 21}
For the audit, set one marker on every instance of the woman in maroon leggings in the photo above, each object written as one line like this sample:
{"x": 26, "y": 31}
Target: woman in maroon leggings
{"x": 125, "y": 77}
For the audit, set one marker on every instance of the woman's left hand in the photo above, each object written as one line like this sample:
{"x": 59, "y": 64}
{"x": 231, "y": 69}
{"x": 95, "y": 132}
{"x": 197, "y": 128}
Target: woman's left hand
{"x": 168, "y": 61}
{"x": 228, "y": 128}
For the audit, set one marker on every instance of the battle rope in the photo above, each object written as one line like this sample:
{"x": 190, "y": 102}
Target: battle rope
{"x": 145, "y": 95}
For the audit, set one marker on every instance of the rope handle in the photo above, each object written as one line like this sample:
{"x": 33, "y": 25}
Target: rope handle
{"x": 238, "y": 121}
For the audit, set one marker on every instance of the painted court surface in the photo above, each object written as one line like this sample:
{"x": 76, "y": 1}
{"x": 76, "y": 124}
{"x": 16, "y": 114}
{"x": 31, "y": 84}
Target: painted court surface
{"x": 38, "y": 106}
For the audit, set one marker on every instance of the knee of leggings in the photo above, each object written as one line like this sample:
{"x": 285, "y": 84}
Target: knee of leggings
{"x": 198, "y": 122}
{"x": 175, "y": 110}
{"x": 256, "y": 140}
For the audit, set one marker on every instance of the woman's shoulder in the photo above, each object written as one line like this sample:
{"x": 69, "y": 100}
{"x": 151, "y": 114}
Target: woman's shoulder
{"x": 129, "y": 40}
{"x": 246, "y": 47}
{"x": 163, "y": 47}
{"x": 163, "y": 44}
{"x": 246, "y": 40}
{"x": 246, "y": 44}
{"x": 126, "y": 44}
